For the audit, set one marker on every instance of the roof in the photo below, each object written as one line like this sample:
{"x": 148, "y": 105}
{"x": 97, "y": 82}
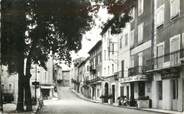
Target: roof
{"x": 97, "y": 45}
{"x": 83, "y": 62}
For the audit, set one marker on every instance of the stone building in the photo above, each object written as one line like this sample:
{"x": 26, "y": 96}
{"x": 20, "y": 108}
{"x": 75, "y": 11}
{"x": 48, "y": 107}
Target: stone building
{"x": 96, "y": 70}
{"x": 168, "y": 70}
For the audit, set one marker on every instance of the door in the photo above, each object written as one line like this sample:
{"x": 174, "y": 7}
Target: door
{"x": 122, "y": 90}
{"x": 113, "y": 93}
{"x": 106, "y": 93}
{"x": 122, "y": 68}
{"x": 132, "y": 90}
{"x": 141, "y": 89}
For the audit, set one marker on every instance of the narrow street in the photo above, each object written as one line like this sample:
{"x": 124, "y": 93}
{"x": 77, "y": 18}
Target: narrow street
{"x": 68, "y": 103}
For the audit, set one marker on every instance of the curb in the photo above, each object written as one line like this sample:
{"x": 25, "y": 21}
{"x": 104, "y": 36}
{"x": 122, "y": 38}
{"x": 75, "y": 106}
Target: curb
{"x": 140, "y": 109}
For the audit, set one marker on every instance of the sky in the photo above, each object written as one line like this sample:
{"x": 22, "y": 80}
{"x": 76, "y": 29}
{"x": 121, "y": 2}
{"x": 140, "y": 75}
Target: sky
{"x": 93, "y": 36}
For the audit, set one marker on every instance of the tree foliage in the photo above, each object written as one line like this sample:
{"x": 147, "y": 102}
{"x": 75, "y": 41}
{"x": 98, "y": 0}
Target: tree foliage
{"x": 32, "y": 29}
{"x": 120, "y": 10}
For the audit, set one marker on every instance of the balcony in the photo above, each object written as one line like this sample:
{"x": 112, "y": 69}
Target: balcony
{"x": 94, "y": 80}
{"x": 169, "y": 60}
{"x": 137, "y": 70}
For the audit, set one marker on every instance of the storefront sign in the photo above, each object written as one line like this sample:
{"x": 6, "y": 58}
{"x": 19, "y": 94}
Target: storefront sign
{"x": 170, "y": 75}
{"x": 135, "y": 78}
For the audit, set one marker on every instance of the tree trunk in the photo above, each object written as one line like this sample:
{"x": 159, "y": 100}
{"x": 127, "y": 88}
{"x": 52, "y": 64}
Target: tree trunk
{"x": 28, "y": 99}
{"x": 20, "y": 101}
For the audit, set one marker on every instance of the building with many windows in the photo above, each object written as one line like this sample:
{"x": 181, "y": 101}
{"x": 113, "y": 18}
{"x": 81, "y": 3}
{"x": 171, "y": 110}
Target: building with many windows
{"x": 141, "y": 28}
{"x": 168, "y": 70}
{"x": 96, "y": 70}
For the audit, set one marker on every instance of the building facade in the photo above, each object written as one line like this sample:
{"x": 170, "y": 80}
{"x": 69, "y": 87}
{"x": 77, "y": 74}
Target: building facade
{"x": 168, "y": 70}
{"x": 96, "y": 71}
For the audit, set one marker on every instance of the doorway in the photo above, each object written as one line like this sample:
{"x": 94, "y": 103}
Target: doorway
{"x": 113, "y": 93}
{"x": 106, "y": 92}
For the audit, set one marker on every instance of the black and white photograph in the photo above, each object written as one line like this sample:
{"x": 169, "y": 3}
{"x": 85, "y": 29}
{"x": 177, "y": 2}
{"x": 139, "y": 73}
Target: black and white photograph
{"x": 91, "y": 56}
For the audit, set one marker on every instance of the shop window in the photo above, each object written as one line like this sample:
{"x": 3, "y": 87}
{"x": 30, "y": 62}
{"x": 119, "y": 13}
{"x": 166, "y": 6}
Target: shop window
{"x": 174, "y": 8}
{"x": 175, "y": 89}
{"x": 160, "y": 90}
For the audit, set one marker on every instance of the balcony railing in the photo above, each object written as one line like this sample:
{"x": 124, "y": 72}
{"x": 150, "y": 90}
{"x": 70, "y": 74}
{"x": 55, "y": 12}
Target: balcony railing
{"x": 93, "y": 80}
{"x": 136, "y": 70}
{"x": 174, "y": 59}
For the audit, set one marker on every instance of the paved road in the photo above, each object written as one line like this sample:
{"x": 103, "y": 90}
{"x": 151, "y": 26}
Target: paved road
{"x": 69, "y": 103}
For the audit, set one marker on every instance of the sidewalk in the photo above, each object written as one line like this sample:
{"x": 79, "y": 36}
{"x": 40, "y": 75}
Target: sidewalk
{"x": 11, "y": 109}
{"x": 134, "y": 108}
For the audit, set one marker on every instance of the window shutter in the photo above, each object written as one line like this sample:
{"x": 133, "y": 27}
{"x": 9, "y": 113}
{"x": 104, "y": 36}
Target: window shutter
{"x": 174, "y": 8}
{"x": 132, "y": 38}
{"x": 160, "y": 15}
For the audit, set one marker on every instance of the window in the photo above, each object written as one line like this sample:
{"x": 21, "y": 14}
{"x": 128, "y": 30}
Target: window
{"x": 140, "y": 59}
{"x": 160, "y": 15}
{"x": 160, "y": 90}
{"x": 132, "y": 38}
{"x": 112, "y": 68}
{"x": 174, "y": 46}
{"x": 132, "y": 13}
{"x": 140, "y": 7}
{"x": 104, "y": 54}
{"x": 112, "y": 48}
{"x": 122, "y": 68}
{"x": 88, "y": 68}
{"x": 160, "y": 53}
{"x": 140, "y": 33}
{"x": 94, "y": 63}
{"x": 183, "y": 41}
{"x": 175, "y": 89}
{"x": 108, "y": 69}
{"x": 174, "y": 8}
{"x": 120, "y": 42}
{"x": 126, "y": 39}
{"x": 132, "y": 61}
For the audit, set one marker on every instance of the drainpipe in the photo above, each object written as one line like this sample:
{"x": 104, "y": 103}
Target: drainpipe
{"x": 1, "y": 93}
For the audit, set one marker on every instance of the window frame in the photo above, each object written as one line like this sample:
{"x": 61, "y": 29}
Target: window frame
{"x": 160, "y": 44}
{"x": 132, "y": 33}
{"x": 140, "y": 32}
{"x": 174, "y": 8}
{"x": 140, "y": 7}
{"x": 175, "y": 89}
{"x": 158, "y": 24}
